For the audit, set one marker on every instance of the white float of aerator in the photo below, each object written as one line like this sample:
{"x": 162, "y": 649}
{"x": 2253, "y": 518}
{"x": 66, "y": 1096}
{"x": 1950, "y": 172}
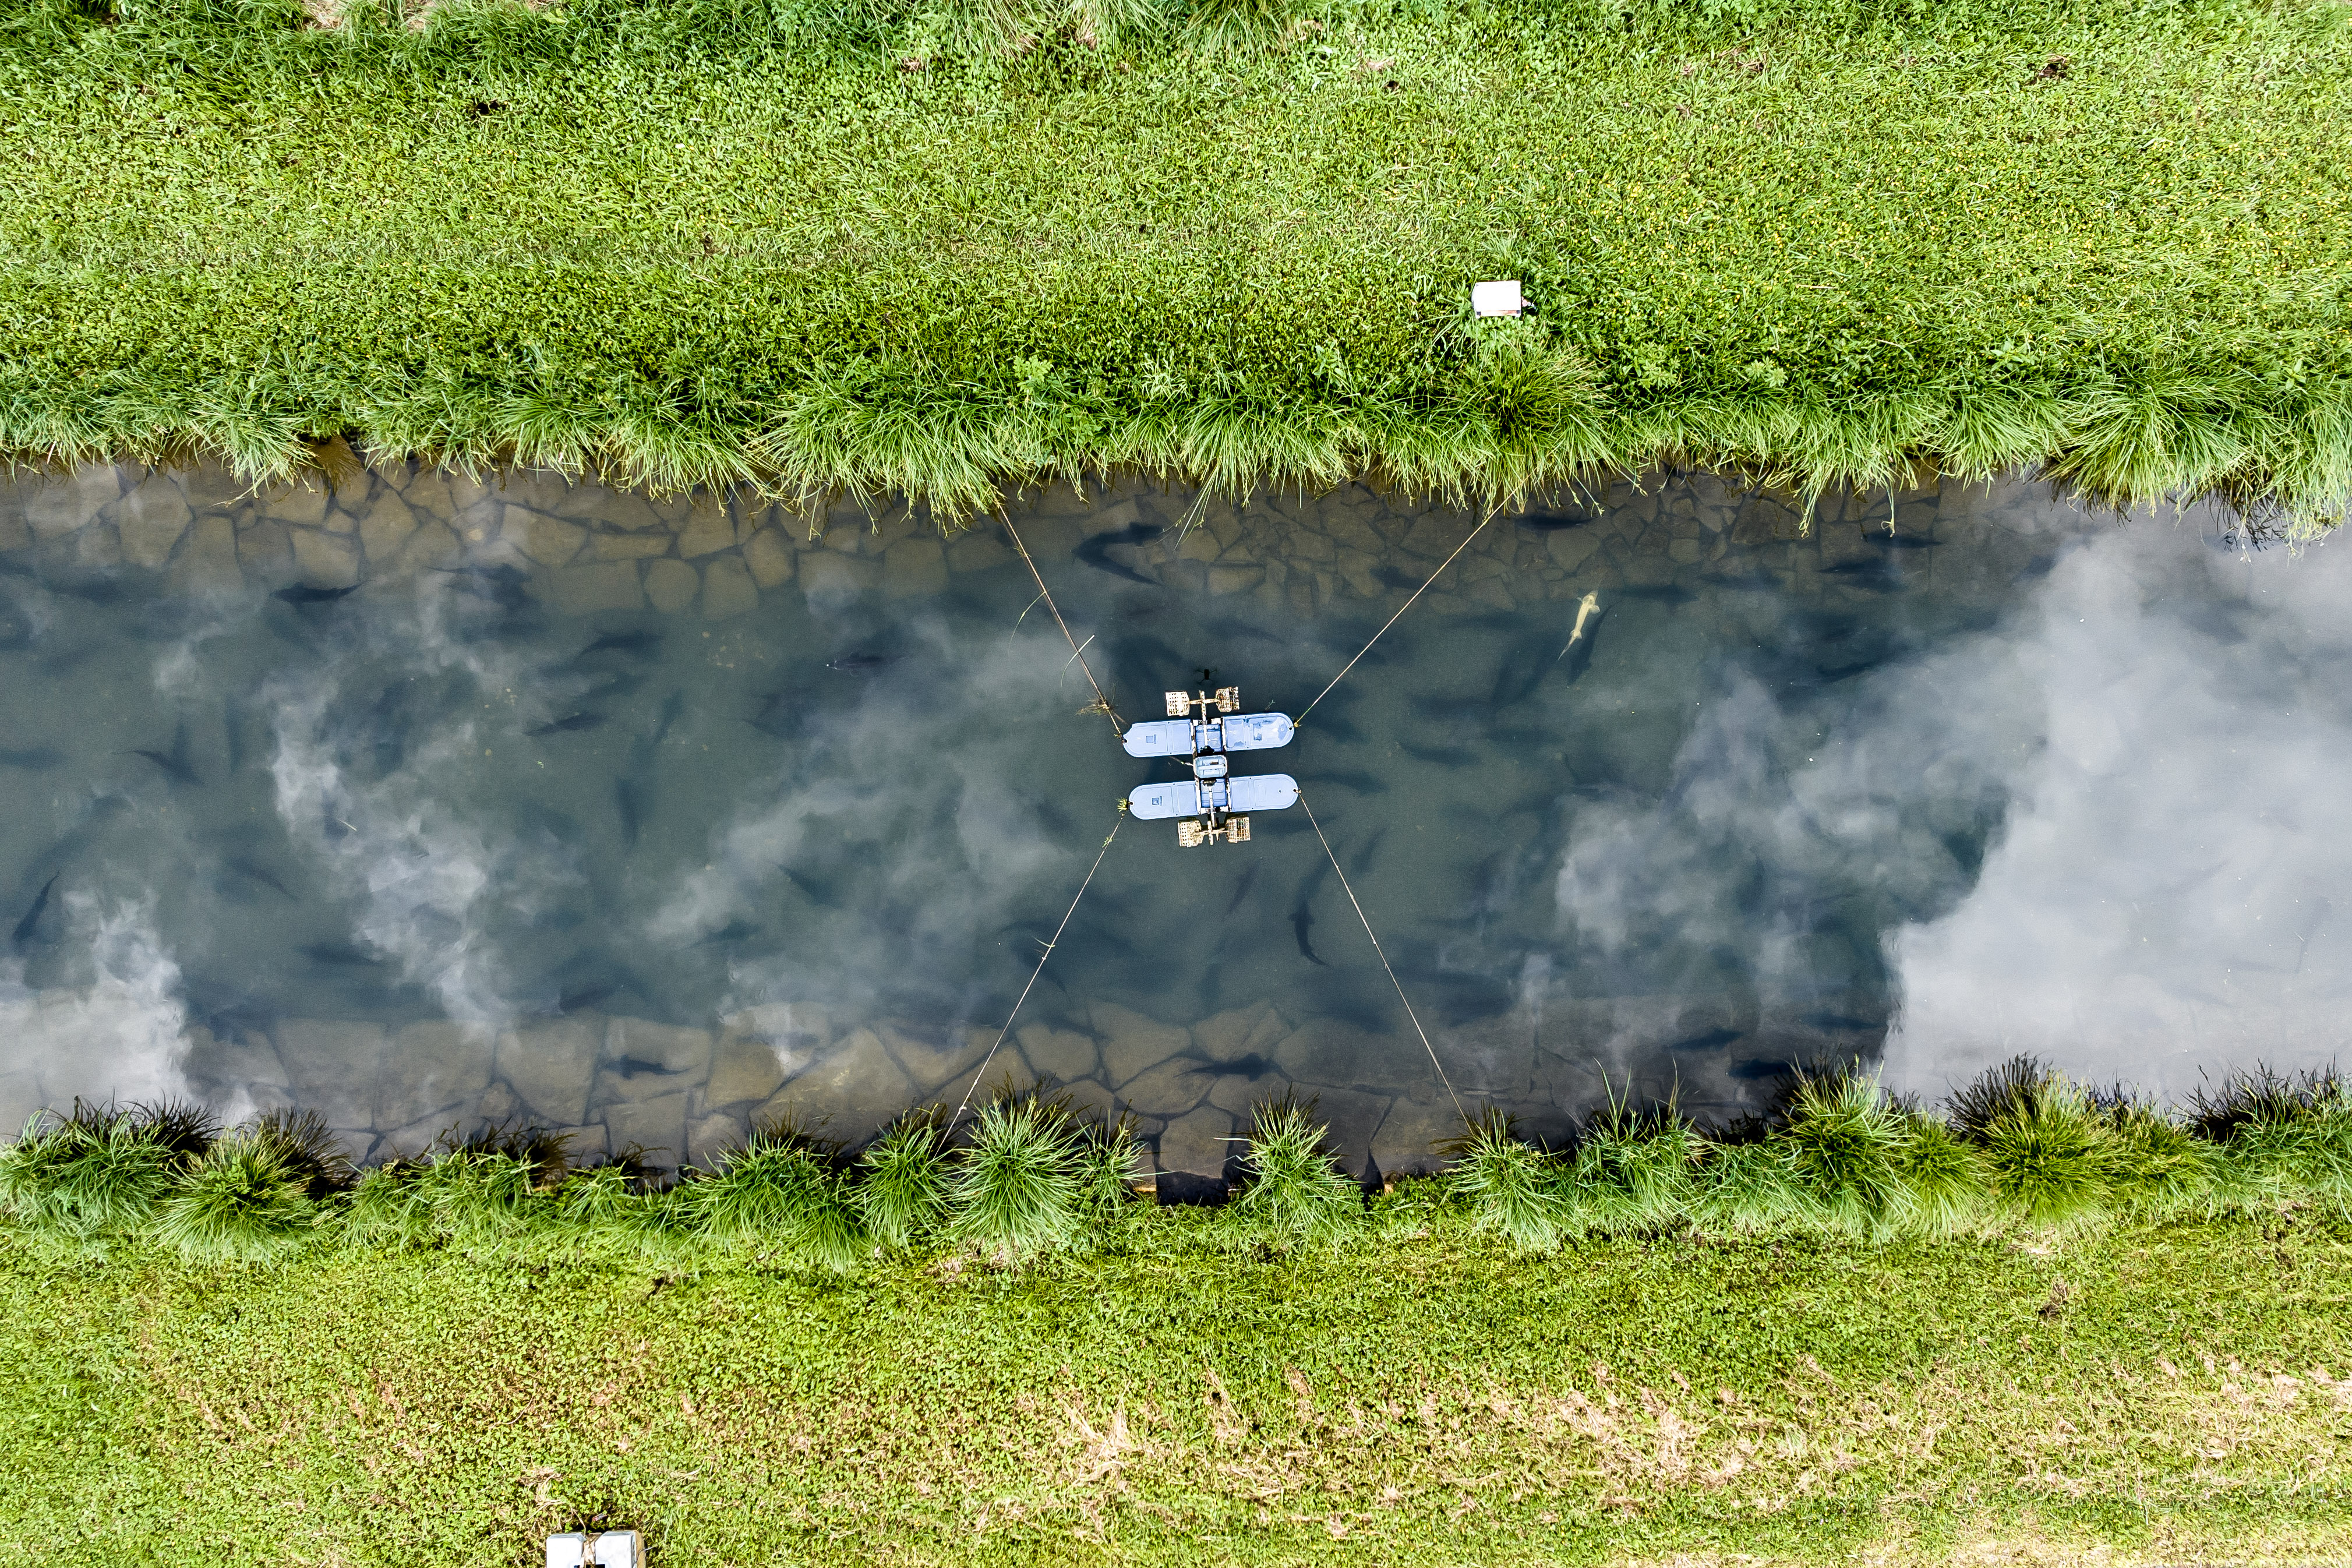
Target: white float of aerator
{"x": 1194, "y": 797}
{"x": 1227, "y": 732}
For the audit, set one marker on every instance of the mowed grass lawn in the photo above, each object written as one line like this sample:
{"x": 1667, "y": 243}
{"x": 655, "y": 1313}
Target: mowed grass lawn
{"x": 2142, "y": 1395}
{"x": 1991, "y": 235}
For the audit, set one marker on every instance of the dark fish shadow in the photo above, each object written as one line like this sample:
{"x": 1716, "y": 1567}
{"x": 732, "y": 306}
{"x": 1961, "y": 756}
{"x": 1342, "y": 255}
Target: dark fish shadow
{"x": 174, "y": 765}
{"x": 303, "y": 596}
{"x": 27, "y": 930}
{"x": 1095, "y": 550}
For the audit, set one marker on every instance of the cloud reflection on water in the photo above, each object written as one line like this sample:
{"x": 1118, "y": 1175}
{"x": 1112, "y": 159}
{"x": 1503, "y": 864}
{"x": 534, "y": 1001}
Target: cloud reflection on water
{"x": 2163, "y": 897}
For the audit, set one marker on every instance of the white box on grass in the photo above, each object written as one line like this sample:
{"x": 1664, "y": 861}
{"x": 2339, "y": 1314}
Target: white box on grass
{"x": 619, "y": 1549}
{"x": 1500, "y": 297}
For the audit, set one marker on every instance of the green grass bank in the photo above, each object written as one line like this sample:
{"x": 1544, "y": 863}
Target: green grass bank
{"x": 937, "y": 245}
{"x": 2146, "y": 1394}
{"x": 2046, "y": 1326}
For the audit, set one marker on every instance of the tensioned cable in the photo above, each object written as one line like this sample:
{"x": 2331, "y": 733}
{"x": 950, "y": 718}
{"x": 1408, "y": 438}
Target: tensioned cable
{"x": 1042, "y": 957}
{"x": 1077, "y": 652}
{"x": 1417, "y": 592}
{"x": 1384, "y": 959}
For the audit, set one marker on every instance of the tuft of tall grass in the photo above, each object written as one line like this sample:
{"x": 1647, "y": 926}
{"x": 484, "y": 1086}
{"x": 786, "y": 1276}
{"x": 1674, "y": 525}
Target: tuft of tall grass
{"x": 1291, "y": 1187}
{"x": 2049, "y": 1151}
{"x": 462, "y": 1195}
{"x": 32, "y": 1169}
{"x": 1512, "y": 1188}
{"x": 1235, "y": 27}
{"x": 181, "y": 1129}
{"x": 1844, "y": 1140}
{"x": 390, "y": 1206}
{"x": 308, "y": 1149}
{"x": 616, "y": 1206}
{"x": 597, "y": 1196}
{"x": 1749, "y": 1184}
{"x": 1110, "y": 1161}
{"x": 1944, "y": 1177}
{"x": 1109, "y": 23}
{"x": 1998, "y": 1091}
{"x": 2156, "y": 1166}
{"x": 1634, "y": 1171}
{"x": 545, "y": 1154}
{"x": 2261, "y": 1096}
{"x": 902, "y": 1188}
{"x": 780, "y": 1194}
{"x": 2279, "y": 1136}
{"x": 97, "y": 1173}
{"x": 243, "y": 1200}
{"x": 983, "y": 27}
{"x": 973, "y": 26}
{"x": 1019, "y": 1187}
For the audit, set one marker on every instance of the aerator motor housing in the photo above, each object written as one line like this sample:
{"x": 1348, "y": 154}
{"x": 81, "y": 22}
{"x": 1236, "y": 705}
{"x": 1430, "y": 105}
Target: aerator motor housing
{"x": 1203, "y": 728}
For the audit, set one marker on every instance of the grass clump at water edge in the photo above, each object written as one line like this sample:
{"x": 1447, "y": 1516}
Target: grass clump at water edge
{"x": 1291, "y": 1187}
{"x": 2020, "y": 1149}
{"x": 902, "y": 1191}
{"x": 241, "y": 1201}
{"x": 79, "y": 1180}
{"x": 1020, "y": 1186}
{"x": 2280, "y": 1135}
{"x": 782, "y": 1194}
{"x": 1509, "y": 1186}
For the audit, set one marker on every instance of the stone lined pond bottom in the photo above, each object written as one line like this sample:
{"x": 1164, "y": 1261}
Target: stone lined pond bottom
{"x": 423, "y": 801}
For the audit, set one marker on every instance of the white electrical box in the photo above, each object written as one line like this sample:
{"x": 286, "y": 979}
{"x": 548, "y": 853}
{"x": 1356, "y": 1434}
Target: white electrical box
{"x": 611, "y": 1549}
{"x": 1500, "y": 297}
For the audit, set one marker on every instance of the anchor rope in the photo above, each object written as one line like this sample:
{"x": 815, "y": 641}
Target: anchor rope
{"x": 1117, "y": 824}
{"x": 1077, "y": 652}
{"x": 1393, "y": 620}
{"x": 1384, "y": 959}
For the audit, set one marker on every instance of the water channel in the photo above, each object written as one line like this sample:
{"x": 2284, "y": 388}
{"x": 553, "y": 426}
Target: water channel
{"x": 647, "y": 818}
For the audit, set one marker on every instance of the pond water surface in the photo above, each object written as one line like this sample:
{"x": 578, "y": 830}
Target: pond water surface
{"x": 649, "y": 818}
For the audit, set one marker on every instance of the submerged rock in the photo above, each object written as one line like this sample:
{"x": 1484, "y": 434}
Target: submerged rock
{"x": 769, "y": 558}
{"x": 550, "y": 1065}
{"x": 435, "y": 1069}
{"x": 728, "y": 590}
{"x": 152, "y": 519}
{"x": 60, "y": 503}
{"x": 671, "y": 585}
{"x": 1198, "y": 1144}
{"x": 656, "y": 1127}
{"x": 1132, "y": 1042}
{"x": 331, "y": 1066}
{"x": 744, "y": 1070}
{"x": 585, "y": 590}
{"x": 849, "y": 1095}
{"x": 1061, "y": 1054}
{"x": 665, "y": 1046}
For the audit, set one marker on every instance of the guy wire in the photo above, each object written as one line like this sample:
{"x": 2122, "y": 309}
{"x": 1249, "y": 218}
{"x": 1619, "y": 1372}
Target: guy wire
{"x": 1077, "y": 652}
{"x": 1384, "y": 957}
{"x": 1393, "y": 620}
{"x": 1001, "y": 1034}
